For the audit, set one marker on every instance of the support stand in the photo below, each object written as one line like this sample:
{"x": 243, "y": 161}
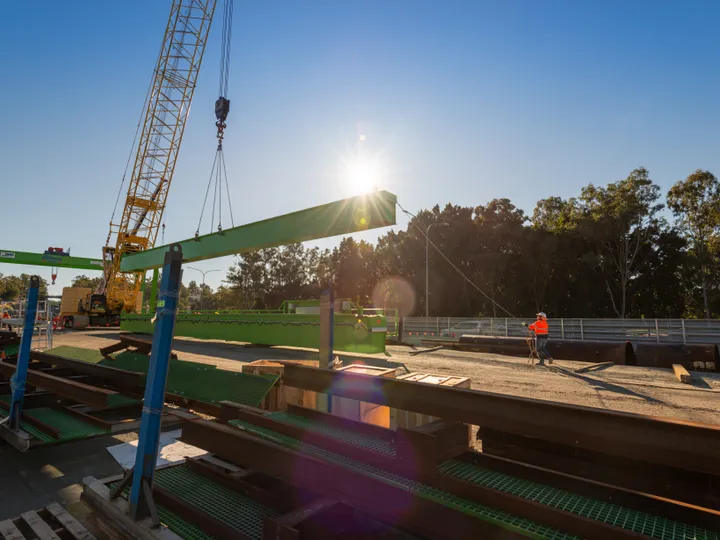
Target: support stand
{"x": 143, "y": 473}
{"x": 327, "y": 325}
{"x": 18, "y": 380}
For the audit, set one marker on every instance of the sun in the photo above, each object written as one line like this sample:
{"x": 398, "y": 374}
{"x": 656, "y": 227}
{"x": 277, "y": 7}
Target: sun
{"x": 362, "y": 175}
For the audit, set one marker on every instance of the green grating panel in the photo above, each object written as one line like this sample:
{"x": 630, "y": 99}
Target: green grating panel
{"x": 346, "y": 435}
{"x": 92, "y": 356}
{"x": 192, "y": 380}
{"x": 10, "y": 350}
{"x": 179, "y": 526}
{"x": 118, "y": 400}
{"x": 224, "y": 504}
{"x": 235, "y": 510}
{"x": 35, "y": 432}
{"x": 497, "y": 517}
{"x": 639, "y": 522}
{"x": 70, "y": 427}
{"x": 219, "y": 385}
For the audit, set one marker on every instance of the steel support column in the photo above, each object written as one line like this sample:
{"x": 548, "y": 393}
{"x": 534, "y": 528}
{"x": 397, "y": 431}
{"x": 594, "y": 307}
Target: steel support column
{"x": 146, "y": 457}
{"x": 17, "y": 383}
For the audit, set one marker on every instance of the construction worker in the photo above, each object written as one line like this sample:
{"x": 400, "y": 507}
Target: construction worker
{"x": 540, "y": 327}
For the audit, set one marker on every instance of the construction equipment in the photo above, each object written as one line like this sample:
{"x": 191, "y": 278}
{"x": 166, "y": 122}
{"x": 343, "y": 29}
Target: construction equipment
{"x": 166, "y": 112}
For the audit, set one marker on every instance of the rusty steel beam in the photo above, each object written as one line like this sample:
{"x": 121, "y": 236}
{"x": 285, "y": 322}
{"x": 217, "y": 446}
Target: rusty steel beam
{"x": 75, "y": 391}
{"x": 94, "y": 420}
{"x": 417, "y": 457}
{"x": 119, "y": 377}
{"x": 635, "y": 474}
{"x": 636, "y": 500}
{"x": 665, "y": 441}
{"x": 384, "y": 499}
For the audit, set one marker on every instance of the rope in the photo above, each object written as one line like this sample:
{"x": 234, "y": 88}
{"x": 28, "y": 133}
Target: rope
{"x": 471, "y": 282}
{"x": 225, "y": 50}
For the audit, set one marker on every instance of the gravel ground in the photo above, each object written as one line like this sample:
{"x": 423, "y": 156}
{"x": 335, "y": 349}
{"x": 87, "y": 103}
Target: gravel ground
{"x": 639, "y": 390}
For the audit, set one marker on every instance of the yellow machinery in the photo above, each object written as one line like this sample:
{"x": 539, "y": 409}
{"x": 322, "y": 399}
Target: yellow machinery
{"x": 165, "y": 115}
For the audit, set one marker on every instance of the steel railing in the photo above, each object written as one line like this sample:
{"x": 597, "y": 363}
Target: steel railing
{"x": 636, "y": 330}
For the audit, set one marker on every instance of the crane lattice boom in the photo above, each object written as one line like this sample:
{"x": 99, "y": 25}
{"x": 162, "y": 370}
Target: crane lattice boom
{"x": 166, "y": 114}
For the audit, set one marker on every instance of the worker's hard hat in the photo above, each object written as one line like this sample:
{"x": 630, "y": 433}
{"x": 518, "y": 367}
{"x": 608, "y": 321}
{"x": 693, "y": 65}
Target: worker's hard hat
{"x": 542, "y": 314}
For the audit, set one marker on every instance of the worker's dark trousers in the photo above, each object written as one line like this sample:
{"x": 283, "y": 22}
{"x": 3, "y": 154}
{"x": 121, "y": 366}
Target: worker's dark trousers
{"x": 541, "y": 345}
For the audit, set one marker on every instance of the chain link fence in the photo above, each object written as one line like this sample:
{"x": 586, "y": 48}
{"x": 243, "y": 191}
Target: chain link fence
{"x": 679, "y": 331}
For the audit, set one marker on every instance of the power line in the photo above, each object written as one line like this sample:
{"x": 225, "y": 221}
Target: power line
{"x": 471, "y": 282}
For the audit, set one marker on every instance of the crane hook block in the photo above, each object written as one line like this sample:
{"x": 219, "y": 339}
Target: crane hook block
{"x": 222, "y": 109}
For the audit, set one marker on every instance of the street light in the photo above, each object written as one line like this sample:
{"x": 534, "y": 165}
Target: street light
{"x": 427, "y": 265}
{"x": 203, "y": 283}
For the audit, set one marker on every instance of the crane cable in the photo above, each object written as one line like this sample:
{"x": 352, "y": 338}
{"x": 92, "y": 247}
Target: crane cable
{"x": 471, "y": 282}
{"x": 218, "y": 171}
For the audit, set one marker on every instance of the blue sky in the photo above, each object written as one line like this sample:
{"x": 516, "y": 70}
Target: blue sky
{"x": 463, "y": 101}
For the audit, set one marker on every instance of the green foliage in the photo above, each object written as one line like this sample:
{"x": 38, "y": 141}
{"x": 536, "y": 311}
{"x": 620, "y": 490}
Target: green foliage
{"x": 84, "y": 281}
{"x": 606, "y": 252}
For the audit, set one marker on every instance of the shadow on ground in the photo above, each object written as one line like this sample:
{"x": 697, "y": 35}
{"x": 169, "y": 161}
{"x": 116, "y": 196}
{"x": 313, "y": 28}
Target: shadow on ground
{"x": 33, "y": 479}
{"x": 241, "y": 352}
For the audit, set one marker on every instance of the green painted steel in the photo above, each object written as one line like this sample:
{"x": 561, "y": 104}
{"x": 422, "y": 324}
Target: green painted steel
{"x": 612, "y": 514}
{"x": 502, "y": 519}
{"x": 42, "y": 259}
{"x": 347, "y": 216}
{"x": 91, "y": 356}
{"x": 191, "y": 380}
{"x": 279, "y": 329}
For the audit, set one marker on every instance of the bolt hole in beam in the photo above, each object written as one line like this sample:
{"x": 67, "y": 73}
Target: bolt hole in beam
{"x": 355, "y": 214}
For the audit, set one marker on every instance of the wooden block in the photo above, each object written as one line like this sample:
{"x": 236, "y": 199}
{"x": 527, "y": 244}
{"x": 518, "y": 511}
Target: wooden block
{"x": 682, "y": 374}
{"x": 72, "y": 526}
{"x": 39, "y": 527}
{"x": 9, "y": 531}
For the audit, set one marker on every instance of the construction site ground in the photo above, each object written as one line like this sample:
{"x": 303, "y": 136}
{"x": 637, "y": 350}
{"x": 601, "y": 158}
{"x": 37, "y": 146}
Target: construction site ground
{"x": 53, "y": 473}
{"x": 650, "y": 391}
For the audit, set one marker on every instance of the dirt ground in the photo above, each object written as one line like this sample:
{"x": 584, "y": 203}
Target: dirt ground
{"x": 649, "y": 391}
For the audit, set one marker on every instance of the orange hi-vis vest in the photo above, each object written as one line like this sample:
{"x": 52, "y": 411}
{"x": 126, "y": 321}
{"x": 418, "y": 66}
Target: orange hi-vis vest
{"x": 540, "y": 327}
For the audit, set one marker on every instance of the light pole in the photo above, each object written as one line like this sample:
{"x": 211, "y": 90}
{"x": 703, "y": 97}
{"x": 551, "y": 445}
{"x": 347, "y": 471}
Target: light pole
{"x": 427, "y": 265}
{"x": 203, "y": 283}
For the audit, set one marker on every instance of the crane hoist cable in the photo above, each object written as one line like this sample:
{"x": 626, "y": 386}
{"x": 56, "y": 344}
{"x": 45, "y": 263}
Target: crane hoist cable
{"x": 218, "y": 172}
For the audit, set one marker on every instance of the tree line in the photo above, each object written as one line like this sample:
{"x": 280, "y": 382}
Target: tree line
{"x": 624, "y": 249}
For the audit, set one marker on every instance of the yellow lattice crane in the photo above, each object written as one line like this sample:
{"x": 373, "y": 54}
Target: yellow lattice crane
{"x": 165, "y": 115}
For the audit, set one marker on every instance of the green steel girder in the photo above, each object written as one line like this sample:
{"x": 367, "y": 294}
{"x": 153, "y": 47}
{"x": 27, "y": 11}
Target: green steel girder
{"x": 347, "y": 216}
{"x": 42, "y": 259}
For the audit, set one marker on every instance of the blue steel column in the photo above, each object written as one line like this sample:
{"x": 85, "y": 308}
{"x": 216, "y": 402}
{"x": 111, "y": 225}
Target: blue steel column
{"x": 144, "y": 470}
{"x": 17, "y": 382}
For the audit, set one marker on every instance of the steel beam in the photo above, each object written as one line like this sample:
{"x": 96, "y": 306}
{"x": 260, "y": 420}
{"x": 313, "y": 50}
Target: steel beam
{"x": 677, "y": 443}
{"x": 75, "y": 391}
{"x": 382, "y": 498}
{"x": 120, "y": 377}
{"x": 347, "y": 216}
{"x": 42, "y": 259}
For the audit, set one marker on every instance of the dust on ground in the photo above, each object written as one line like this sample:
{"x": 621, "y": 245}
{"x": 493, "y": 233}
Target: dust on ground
{"x": 650, "y": 391}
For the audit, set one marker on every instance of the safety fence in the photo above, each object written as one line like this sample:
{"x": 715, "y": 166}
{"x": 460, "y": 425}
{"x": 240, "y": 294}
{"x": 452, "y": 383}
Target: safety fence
{"x": 634, "y": 330}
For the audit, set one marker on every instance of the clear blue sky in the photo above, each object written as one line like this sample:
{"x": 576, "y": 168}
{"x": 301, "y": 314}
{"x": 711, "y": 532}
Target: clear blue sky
{"x": 464, "y": 101}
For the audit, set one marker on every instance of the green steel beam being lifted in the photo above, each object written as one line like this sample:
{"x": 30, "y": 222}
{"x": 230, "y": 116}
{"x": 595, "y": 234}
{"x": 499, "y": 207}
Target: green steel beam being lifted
{"x": 50, "y": 259}
{"x": 341, "y": 217}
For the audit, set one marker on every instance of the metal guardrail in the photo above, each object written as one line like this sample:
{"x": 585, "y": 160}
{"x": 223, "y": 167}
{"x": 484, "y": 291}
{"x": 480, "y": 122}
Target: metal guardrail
{"x": 679, "y": 331}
